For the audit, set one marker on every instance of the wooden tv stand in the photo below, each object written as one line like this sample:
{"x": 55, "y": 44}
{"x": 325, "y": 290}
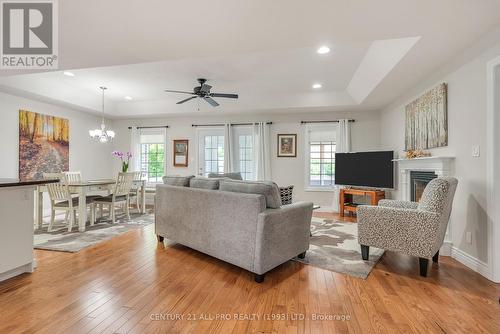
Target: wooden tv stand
{"x": 347, "y": 203}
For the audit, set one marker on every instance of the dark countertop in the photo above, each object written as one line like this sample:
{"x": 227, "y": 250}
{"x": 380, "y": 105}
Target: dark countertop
{"x": 17, "y": 183}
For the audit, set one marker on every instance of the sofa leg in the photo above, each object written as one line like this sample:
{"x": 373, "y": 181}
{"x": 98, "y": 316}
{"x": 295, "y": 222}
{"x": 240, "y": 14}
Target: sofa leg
{"x": 160, "y": 238}
{"x": 259, "y": 278}
{"x": 435, "y": 258}
{"x": 365, "y": 252}
{"x": 301, "y": 255}
{"x": 424, "y": 264}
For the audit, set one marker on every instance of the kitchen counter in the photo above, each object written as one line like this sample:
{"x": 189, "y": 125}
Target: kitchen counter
{"x": 18, "y": 183}
{"x": 17, "y": 226}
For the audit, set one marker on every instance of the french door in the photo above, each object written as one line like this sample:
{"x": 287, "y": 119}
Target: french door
{"x": 210, "y": 151}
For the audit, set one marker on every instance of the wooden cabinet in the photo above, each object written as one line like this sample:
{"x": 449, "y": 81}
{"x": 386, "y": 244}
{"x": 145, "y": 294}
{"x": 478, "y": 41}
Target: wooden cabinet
{"x": 347, "y": 203}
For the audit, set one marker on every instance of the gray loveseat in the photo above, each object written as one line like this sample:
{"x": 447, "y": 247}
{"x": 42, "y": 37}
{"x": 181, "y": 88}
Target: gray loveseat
{"x": 239, "y": 222}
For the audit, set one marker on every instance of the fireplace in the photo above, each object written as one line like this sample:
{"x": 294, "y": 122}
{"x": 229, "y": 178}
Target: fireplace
{"x": 435, "y": 166}
{"x": 418, "y": 182}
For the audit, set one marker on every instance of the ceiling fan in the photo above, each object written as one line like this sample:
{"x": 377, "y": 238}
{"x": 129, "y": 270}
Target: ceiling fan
{"x": 203, "y": 91}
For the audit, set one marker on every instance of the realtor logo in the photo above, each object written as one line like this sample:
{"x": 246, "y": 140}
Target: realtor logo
{"x": 29, "y": 34}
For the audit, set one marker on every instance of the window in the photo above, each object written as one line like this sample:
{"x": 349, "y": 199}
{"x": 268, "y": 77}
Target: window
{"x": 245, "y": 148}
{"x": 320, "y": 162}
{"x": 214, "y": 154}
{"x": 152, "y": 148}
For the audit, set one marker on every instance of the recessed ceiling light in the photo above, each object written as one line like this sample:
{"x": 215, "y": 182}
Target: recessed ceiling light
{"x": 323, "y": 50}
{"x": 317, "y": 86}
{"x": 128, "y": 97}
{"x": 69, "y": 74}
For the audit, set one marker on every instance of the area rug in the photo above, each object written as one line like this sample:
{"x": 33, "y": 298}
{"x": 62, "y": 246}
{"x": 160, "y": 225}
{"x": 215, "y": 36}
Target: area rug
{"x": 59, "y": 239}
{"x": 334, "y": 246}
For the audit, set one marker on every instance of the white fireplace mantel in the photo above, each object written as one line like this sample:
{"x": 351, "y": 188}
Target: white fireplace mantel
{"x": 441, "y": 166}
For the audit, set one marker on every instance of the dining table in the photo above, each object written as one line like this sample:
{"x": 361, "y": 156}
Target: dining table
{"x": 82, "y": 189}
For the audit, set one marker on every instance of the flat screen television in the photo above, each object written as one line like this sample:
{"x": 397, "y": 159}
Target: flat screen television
{"x": 365, "y": 169}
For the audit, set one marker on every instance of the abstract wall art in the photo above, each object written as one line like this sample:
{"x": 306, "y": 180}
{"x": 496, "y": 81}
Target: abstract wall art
{"x": 427, "y": 120}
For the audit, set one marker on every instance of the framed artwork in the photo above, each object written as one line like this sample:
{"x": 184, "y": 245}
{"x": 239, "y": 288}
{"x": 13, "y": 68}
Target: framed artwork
{"x": 181, "y": 147}
{"x": 287, "y": 145}
{"x": 427, "y": 120}
{"x": 43, "y": 145}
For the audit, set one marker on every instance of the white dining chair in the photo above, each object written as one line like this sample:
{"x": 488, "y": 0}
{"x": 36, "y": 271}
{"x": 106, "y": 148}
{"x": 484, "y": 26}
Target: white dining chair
{"x": 73, "y": 177}
{"x": 61, "y": 199}
{"x": 76, "y": 177}
{"x": 135, "y": 190}
{"x": 120, "y": 195}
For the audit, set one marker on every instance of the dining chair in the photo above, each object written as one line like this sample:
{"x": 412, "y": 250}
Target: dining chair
{"x": 61, "y": 199}
{"x": 120, "y": 195}
{"x": 76, "y": 177}
{"x": 73, "y": 177}
{"x": 135, "y": 190}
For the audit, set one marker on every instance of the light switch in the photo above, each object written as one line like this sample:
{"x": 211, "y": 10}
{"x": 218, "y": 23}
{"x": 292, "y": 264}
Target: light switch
{"x": 476, "y": 151}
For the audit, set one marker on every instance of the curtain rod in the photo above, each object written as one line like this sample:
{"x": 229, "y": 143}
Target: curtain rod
{"x": 221, "y": 124}
{"x": 150, "y": 127}
{"x": 334, "y": 121}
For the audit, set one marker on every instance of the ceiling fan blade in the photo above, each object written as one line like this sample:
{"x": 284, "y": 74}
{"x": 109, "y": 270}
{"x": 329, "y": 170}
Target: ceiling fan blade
{"x": 212, "y": 102}
{"x": 178, "y": 91}
{"x": 185, "y": 100}
{"x": 205, "y": 88}
{"x": 230, "y": 96}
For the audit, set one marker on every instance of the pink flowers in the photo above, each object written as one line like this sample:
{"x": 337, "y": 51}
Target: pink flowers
{"x": 121, "y": 155}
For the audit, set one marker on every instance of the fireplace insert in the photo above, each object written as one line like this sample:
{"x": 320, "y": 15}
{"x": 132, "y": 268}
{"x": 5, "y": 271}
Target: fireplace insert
{"x": 418, "y": 182}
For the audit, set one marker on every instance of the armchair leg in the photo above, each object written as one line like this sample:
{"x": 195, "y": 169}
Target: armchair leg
{"x": 302, "y": 255}
{"x": 435, "y": 258}
{"x": 424, "y": 264}
{"x": 160, "y": 238}
{"x": 365, "y": 252}
{"x": 259, "y": 278}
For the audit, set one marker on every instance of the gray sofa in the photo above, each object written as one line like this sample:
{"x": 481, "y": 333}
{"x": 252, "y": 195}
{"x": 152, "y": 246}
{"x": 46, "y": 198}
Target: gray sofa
{"x": 233, "y": 224}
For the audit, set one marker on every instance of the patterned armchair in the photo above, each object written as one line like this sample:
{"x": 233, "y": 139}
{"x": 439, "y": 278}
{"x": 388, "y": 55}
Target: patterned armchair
{"x": 416, "y": 229}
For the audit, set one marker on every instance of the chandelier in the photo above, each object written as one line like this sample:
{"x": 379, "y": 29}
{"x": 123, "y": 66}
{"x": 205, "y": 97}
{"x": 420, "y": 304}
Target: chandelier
{"x": 102, "y": 135}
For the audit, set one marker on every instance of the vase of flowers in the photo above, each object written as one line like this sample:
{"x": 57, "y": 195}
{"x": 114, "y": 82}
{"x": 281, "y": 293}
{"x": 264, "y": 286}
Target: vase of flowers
{"x": 125, "y": 159}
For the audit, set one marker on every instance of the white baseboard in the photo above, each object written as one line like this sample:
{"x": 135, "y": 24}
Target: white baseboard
{"x": 445, "y": 249}
{"x": 27, "y": 268}
{"x": 471, "y": 262}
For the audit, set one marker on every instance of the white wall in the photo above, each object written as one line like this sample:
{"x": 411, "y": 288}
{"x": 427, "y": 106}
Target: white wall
{"x": 91, "y": 158}
{"x": 467, "y": 127}
{"x": 285, "y": 171}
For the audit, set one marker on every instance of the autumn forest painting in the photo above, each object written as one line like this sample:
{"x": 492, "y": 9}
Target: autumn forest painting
{"x": 43, "y": 145}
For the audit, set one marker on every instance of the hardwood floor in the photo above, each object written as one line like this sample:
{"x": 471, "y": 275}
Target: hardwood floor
{"x": 133, "y": 284}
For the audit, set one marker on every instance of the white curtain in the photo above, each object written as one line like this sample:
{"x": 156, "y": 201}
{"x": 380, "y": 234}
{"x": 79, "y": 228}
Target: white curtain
{"x": 135, "y": 149}
{"x": 343, "y": 146}
{"x": 262, "y": 151}
{"x": 344, "y": 136}
{"x": 228, "y": 148}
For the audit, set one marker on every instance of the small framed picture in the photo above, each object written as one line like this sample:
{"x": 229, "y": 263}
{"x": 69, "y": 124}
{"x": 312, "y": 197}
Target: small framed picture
{"x": 287, "y": 145}
{"x": 181, "y": 147}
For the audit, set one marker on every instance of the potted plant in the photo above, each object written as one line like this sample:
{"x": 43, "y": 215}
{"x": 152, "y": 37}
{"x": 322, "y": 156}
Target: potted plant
{"x": 125, "y": 159}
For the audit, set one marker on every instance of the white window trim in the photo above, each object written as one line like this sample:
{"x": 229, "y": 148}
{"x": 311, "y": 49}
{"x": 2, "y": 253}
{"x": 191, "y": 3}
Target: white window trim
{"x": 307, "y": 152}
{"x": 165, "y": 158}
